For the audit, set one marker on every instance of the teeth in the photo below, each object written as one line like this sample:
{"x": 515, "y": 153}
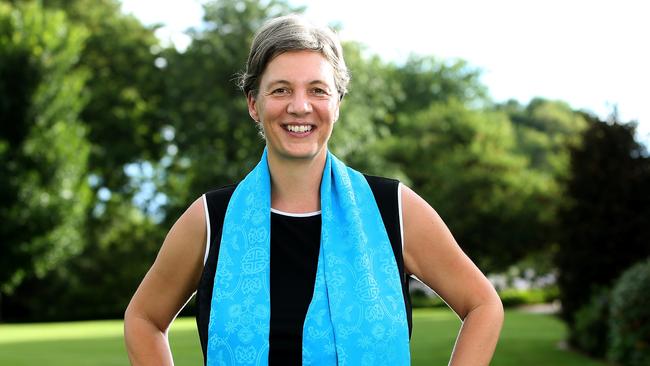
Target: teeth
{"x": 299, "y": 128}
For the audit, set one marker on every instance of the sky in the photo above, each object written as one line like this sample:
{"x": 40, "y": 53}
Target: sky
{"x": 593, "y": 55}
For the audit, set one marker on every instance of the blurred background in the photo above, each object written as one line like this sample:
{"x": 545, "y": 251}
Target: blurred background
{"x": 525, "y": 125}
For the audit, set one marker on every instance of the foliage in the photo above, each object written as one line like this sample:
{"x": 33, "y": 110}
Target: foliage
{"x": 419, "y": 299}
{"x": 605, "y": 224}
{"x": 462, "y": 161}
{"x": 629, "y": 319}
{"x": 590, "y": 331}
{"x": 123, "y": 120}
{"x": 426, "y": 80}
{"x": 514, "y": 297}
{"x": 99, "y": 282}
{"x": 543, "y": 129}
{"x": 160, "y": 126}
{"x": 123, "y": 115}
{"x": 367, "y": 113}
{"x": 396, "y": 120}
{"x": 216, "y": 140}
{"x": 510, "y": 298}
{"x": 43, "y": 149}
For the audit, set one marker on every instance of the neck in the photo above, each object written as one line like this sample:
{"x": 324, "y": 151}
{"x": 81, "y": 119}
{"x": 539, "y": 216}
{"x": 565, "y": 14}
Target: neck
{"x": 295, "y": 183}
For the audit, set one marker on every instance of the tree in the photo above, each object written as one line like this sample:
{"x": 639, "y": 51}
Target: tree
{"x": 43, "y": 149}
{"x": 99, "y": 282}
{"x": 426, "y": 79}
{"x": 123, "y": 115}
{"x": 441, "y": 135}
{"x": 122, "y": 120}
{"x": 212, "y": 139}
{"x": 605, "y": 224}
{"x": 544, "y": 130}
{"x": 463, "y": 162}
{"x": 367, "y": 113}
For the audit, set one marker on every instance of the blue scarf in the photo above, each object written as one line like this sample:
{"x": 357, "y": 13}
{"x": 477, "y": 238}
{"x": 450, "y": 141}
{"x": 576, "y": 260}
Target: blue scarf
{"x": 357, "y": 314}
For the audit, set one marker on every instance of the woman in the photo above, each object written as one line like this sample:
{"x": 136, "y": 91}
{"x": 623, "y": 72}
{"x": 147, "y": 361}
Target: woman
{"x": 306, "y": 260}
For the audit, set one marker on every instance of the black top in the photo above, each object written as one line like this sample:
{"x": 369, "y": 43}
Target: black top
{"x": 295, "y": 244}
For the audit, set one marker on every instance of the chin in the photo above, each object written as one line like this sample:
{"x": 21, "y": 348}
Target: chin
{"x": 300, "y": 154}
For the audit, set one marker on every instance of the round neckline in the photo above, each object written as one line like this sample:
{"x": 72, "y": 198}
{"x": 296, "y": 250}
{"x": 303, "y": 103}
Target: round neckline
{"x": 295, "y": 214}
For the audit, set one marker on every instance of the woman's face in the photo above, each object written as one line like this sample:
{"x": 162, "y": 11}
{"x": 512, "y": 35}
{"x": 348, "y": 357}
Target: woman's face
{"x": 297, "y": 104}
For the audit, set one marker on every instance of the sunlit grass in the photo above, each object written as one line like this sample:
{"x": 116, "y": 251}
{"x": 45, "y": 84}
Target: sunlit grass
{"x": 527, "y": 339}
{"x": 86, "y": 343}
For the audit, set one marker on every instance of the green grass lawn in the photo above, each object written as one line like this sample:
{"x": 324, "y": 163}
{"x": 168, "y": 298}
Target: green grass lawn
{"x": 527, "y": 339}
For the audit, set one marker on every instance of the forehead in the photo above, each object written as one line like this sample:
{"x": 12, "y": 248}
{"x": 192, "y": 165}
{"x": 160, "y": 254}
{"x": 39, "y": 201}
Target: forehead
{"x": 299, "y": 67}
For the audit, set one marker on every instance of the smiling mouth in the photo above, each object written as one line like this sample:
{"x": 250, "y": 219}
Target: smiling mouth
{"x": 298, "y": 128}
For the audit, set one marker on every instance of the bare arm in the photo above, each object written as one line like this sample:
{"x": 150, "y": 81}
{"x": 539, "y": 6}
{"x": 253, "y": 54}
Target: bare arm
{"x": 433, "y": 256}
{"x": 165, "y": 289}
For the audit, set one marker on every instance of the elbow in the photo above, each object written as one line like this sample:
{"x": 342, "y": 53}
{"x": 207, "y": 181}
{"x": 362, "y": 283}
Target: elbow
{"x": 494, "y": 303}
{"x": 135, "y": 321}
{"x": 494, "y": 307}
{"x": 129, "y": 330}
{"x": 499, "y": 311}
{"x": 490, "y": 309}
{"x": 129, "y": 315}
{"x": 129, "y": 318}
{"x": 138, "y": 319}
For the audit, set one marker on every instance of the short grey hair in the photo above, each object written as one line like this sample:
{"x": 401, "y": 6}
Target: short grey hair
{"x": 292, "y": 33}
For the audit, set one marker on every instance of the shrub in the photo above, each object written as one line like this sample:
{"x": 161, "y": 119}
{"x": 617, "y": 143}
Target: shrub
{"x": 604, "y": 226}
{"x": 589, "y": 331}
{"x": 629, "y": 317}
{"x": 513, "y": 297}
{"x": 419, "y": 299}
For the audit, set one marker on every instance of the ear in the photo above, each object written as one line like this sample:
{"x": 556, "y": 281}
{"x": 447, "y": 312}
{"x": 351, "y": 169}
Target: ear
{"x": 251, "y": 100}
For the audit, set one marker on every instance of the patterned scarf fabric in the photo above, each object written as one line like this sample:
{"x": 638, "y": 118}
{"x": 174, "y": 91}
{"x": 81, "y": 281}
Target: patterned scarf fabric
{"x": 357, "y": 314}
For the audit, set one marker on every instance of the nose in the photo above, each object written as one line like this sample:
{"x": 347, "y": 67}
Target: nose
{"x": 299, "y": 104}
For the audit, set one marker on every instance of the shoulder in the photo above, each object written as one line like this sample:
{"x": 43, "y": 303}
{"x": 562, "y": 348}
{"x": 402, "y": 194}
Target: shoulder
{"x": 189, "y": 232}
{"x": 413, "y": 203}
{"x": 190, "y": 223}
{"x": 432, "y": 254}
{"x": 420, "y": 220}
{"x": 424, "y": 231}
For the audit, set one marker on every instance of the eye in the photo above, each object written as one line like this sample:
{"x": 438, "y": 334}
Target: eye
{"x": 319, "y": 91}
{"x": 280, "y": 91}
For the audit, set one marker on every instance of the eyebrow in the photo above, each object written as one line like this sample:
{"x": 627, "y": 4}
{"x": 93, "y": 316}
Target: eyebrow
{"x": 282, "y": 81}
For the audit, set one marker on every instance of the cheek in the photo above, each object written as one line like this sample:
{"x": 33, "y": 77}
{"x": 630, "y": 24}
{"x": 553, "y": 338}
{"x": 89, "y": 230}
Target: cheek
{"x": 273, "y": 108}
{"x": 329, "y": 109}
{"x": 335, "y": 111}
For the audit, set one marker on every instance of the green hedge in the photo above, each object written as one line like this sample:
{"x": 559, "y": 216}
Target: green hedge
{"x": 509, "y": 298}
{"x": 513, "y": 297}
{"x": 629, "y": 317}
{"x": 419, "y": 299}
{"x": 590, "y": 327}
